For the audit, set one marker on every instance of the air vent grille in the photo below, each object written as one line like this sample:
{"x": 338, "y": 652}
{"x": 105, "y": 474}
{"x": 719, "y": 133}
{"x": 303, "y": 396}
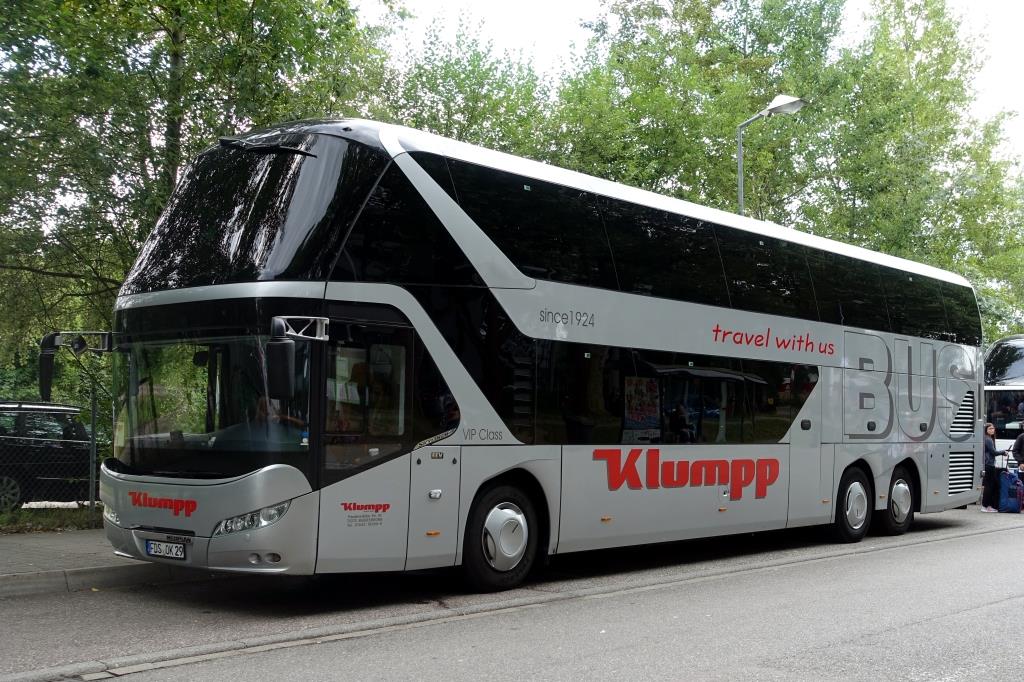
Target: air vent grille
{"x": 963, "y": 422}
{"x": 961, "y": 472}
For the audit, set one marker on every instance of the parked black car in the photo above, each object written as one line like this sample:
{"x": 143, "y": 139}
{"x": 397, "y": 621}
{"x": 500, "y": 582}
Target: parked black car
{"x": 44, "y": 453}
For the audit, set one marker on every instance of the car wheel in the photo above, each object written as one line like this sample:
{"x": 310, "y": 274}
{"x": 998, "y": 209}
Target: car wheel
{"x": 899, "y": 515}
{"x": 853, "y": 507}
{"x": 500, "y": 546}
{"x": 12, "y": 492}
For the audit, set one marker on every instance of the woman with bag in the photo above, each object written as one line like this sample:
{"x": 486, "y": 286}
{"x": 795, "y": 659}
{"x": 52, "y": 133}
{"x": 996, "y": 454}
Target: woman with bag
{"x": 990, "y": 483}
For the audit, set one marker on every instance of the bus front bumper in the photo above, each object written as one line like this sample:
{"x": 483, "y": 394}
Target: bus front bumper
{"x": 287, "y": 546}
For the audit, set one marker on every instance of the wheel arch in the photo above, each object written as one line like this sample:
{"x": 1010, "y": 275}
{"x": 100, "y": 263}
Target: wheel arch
{"x": 915, "y": 475}
{"x": 866, "y": 469}
{"x": 528, "y": 483}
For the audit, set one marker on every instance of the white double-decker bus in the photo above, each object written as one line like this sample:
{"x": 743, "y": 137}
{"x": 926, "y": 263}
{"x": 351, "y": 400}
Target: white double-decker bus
{"x": 349, "y": 346}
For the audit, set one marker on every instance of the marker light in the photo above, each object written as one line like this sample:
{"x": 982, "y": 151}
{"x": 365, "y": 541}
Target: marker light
{"x": 257, "y": 519}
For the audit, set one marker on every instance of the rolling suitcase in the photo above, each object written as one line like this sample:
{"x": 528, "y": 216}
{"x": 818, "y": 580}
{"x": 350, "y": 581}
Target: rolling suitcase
{"x": 1009, "y": 492}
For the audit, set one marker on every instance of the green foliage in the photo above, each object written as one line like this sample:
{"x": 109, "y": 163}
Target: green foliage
{"x": 32, "y": 520}
{"x": 657, "y": 99}
{"x": 463, "y": 90}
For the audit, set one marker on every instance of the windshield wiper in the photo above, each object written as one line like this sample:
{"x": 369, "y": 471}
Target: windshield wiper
{"x": 262, "y": 148}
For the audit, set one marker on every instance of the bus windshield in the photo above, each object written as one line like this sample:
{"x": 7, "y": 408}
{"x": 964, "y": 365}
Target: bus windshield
{"x": 199, "y": 408}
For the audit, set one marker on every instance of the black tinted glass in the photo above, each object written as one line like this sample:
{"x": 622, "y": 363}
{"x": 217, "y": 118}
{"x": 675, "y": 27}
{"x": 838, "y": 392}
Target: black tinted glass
{"x": 398, "y": 239}
{"x": 1005, "y": 362}
{"x": 1004, "y": 409}
{"x": 962, "y": 313}
{"x": 50, "y": 426}
{"x": 580, "y": 393}
{"x": 435, "y": 410}
{"x": 500, "y": 359}
{"x": 766, "y": 275}
{"x": 683, "y": 398}
{"x": 848, "y": 291}
{"x": 915, "y": 305}
{"x": 663, "y": 254}
{"x": 249, "y": 215}
{"x": 437, "y": 168}
{"x": 548, "y": 231}
{"x": 774, "y": 394}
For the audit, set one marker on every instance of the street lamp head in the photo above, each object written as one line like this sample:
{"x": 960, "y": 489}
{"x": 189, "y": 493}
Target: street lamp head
{"x": 784, "y": 104}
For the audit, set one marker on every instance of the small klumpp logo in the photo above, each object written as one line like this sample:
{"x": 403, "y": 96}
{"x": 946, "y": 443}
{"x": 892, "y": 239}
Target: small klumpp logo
{"x": 380, "y": 508}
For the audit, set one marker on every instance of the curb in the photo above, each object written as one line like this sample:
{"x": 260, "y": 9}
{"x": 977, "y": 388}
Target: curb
{"x": 76, "y": 579}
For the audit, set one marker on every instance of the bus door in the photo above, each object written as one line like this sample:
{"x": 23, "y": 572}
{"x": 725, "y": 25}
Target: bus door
{"x": 367, "y": 440}
{"x": 433, "y": 506}
{"x": 810, "y": 482}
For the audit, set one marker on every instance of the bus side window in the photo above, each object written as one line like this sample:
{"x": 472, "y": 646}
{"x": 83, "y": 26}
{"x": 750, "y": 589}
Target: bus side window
{"x": 435, "y": 410}
{"x": 385, "y": 396}
{"x": 367, "y": 398}
{"x": 386, "y": 390}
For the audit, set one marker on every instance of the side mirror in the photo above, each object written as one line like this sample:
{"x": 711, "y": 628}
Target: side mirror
{"x": 280, "y": 363}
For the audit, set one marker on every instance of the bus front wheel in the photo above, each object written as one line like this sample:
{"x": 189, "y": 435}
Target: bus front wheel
{"x": 500, "y": 546}
{"x": 853, "y": 506}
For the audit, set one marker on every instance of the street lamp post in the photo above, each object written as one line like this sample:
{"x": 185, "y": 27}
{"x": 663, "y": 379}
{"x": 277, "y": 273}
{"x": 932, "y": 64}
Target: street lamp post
{"x": 782, "y": 104}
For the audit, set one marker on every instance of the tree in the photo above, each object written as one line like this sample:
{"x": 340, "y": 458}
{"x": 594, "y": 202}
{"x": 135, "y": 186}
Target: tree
{"x": 101, "y": 104}
{"x": 657, "y": 99}
{"x": 463, "y": 90}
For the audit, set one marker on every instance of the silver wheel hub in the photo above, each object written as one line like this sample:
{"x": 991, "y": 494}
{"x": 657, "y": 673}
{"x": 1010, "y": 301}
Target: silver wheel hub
{"x": 504, "y": 536}
{"x": 856, "y": 505}
{"x": 10, "y": 493}
{"x": 901, "y": 500}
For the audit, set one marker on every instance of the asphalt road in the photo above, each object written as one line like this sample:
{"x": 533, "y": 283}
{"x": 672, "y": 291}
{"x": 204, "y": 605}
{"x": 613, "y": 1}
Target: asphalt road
{"x": 942, "y": 602}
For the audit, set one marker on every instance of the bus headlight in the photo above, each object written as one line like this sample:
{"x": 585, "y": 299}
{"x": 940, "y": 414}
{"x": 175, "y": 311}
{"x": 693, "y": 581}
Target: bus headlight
{"x": 110, "y": 515}
{"x": 257, "y": 519}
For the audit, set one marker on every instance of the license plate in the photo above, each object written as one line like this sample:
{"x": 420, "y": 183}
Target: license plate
{"x": 165, "y": 550}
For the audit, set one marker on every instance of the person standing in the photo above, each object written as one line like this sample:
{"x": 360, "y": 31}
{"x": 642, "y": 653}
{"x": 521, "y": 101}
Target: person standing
{"x": 990, "y": 483}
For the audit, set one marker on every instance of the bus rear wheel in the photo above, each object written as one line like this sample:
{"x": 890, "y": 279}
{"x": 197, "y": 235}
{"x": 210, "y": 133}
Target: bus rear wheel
{"x": 500, "y": 546}
{"x": 899, "y": 514}
{"x": 853, "y": 507}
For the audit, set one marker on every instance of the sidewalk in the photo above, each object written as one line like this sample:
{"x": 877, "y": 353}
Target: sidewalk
{"x": 34, "y": 563}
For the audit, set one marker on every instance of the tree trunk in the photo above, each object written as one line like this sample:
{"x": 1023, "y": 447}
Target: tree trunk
{"x": 175, "y": 106}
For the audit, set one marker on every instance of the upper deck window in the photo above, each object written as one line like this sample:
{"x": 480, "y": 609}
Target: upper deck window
{"x": 767, "y": 275}
{"x": 664, "y": 254}
{"x": 398, "y": 239}
{"x": 274, "y": 210}
{"x": 549, "y": 231}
